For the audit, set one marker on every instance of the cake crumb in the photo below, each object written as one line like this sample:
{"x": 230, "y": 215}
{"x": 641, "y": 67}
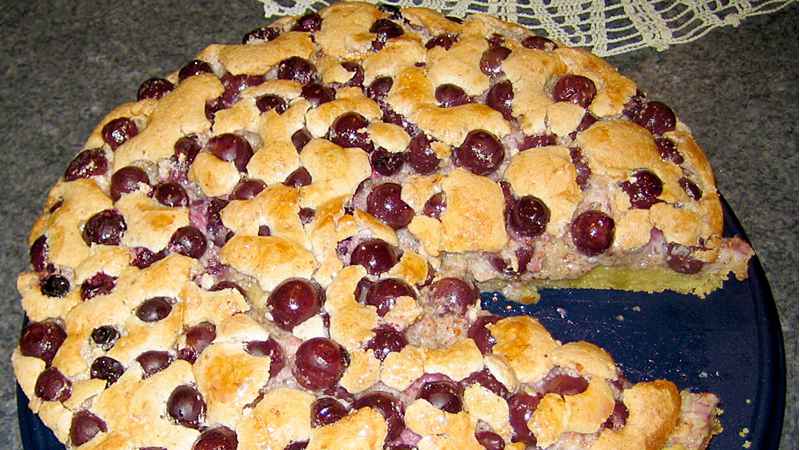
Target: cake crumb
{"x": 746, "y": 444}
{"x": 637, "y": 308}
{"x": 748, "y": 401}
{"x": 744, "y": 432}
{"x": 703, "y": 374}
{"x": 562, "y": 312}
{"x": 620, "y": 317}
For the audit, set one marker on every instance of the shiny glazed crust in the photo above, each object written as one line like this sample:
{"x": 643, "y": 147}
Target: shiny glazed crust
{"x": 313, "y": 228}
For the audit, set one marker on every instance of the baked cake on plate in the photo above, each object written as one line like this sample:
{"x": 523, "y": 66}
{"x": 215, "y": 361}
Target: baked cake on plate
{"x": 281, "y": 245}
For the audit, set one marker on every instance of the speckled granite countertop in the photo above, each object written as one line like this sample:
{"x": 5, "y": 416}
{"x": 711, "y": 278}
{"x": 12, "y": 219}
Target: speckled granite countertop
{"x": 65, "y": 64}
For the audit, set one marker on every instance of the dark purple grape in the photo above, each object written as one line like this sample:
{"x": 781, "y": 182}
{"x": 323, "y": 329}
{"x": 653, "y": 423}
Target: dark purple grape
{"x": 487, "y": 381}
{"x": 379, "y": 88}
{"x": 186, "y": 406}
{"x": 490, "y": 441}
{"x": 306, "y": 215}
{"x": 299, "y": 445}
{"x": 393, "y": 117}
{"x": 219, "y": 438}
{"x": 390, "y": 408}
{"x": 358, "y": 74}
{"x": 84, "y": 427}
{"x": 105, "y": 336}
{"x": 317, "y": 94}
{"x": 87, "y": 164}
{"x": 300, "y": 177}
{"x": 269, "y": 348}
{"x": 587, "y": 121}
{"x": 217, "y": 231}
{"x": 444, "y": 395}
{"x": 231, "y": 147}
{"x": 188, "y": 241}
{"x": 643, "y": 189}
{"x": 213, "y": 107}
{"x": 361, "y": 289}
{"x": 38, "y": 253}
{"x": 575, "y": 89}
{"x": 453, "y": 295}
{"x": 375, "y": 255}
{"x": 297, "y": 69}
{"x": 481, "y": 153}
{"x": 539, "y": 43}
{"x": 421, "y": 156}
{"x": 618, "y": 417}
{"x": 384, "y": 202}
{"x": 118, "y": 131}
{"x": 582, "y": 170}
{"x": 192, "y": 68}
{"x": 539, "y": 140}
{"x": 492, "y": 60}
{"x": 128, "y": 179}
{"x": 153, "y": 362}
{"x": 271, "y": 102}
{"x": 300, "y": 138}
{"x": 319, "y": 363}
{"x": 481, "y": 335}
{"x": 691, "y": 189}
{"x": 54, "y": 286}
{"x": 51, "y": 385}
{"x": 449, "y": 95}
{"x": 325, "y": 411}
{"x": 154, "y": 309}
{"x": 99, "y": 284}
{"x": 293, "y": 302}
{"x": 42, "y": 340}
{"x": 186, "y": 149}
{"x": 309, "y": 22}
{"x": 444, "y": 40}
{"x": 564, "y": 384}
{"x": 657, "y": 117}
{"x": 171, "y": 194}
{"x": 108, "y": 369}
{"x": 635, "y": 105}
{"x": 383, "y": 294}
{"x": 261, "y": 34}
{"x": 520, "y": 408}
{"x": 385, "y": 162}
{"x": 200, "y": 336}
{"x": 529, "y": 217}
{"x": 247, "y": 189}
{"x": 228, "y": 284}
{"x": 592, "y": 232}
{"x": 680, "y": 259}
{"x": 349, "y": 130}
{"x": 500, "y": 98}
{"x": 105, "y": 228}
{"x": 154, "y": 88}
{"x": 144, "y": 257}
{"x": 668, "y": 151}
{"x": 384, "y": 30}
{"x": 435, "y": 206}
{"x": 386, "y": 340}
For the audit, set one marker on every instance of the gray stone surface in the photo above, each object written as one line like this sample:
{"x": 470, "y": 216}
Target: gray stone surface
{"x": 66, "y": 63}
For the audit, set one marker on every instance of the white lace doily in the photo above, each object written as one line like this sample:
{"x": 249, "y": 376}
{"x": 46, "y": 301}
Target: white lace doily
{"x": 607, "y": 27}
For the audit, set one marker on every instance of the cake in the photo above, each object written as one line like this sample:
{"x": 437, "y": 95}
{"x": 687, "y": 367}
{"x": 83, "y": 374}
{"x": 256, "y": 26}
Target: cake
{"x": 281, "y": 246}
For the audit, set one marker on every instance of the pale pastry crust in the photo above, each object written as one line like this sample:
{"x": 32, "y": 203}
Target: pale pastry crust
{"x": 213, "y": 317}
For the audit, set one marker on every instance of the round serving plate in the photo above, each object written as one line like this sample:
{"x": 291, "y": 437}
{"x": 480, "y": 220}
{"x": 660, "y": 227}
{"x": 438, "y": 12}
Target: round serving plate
{"x": 729, "y": 343}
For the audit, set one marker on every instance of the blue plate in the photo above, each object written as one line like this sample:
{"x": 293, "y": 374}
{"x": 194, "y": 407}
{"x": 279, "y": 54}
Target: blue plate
{"x": 730, "y": 344}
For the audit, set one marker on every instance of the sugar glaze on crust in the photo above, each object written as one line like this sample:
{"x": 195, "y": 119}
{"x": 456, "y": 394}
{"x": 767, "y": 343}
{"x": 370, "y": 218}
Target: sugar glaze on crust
{"x": 277, "y": 246}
